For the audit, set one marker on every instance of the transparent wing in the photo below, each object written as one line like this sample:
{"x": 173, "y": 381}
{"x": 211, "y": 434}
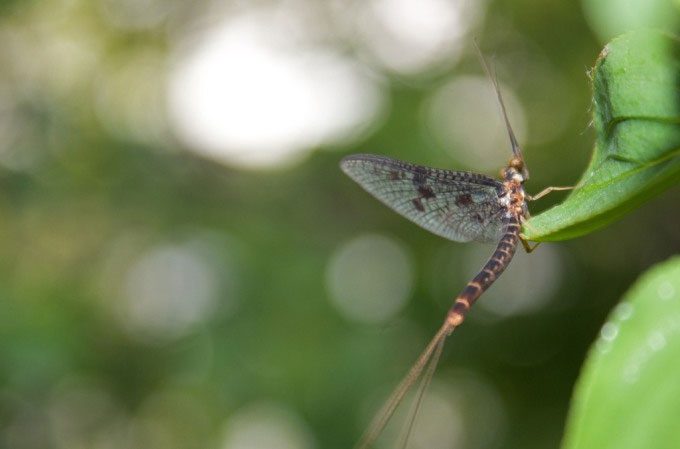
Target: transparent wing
{"x": 459, "y": 206}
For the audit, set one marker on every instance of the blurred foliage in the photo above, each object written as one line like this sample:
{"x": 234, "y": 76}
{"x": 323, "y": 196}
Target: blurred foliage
{"x": 627, "y": 396}
{"x": 89, "y": 193}
{"x": 637, "y": 147}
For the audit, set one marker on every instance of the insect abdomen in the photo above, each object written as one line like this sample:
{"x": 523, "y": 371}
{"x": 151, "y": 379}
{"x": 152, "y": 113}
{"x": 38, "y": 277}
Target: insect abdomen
{"x": 492, "y": 269}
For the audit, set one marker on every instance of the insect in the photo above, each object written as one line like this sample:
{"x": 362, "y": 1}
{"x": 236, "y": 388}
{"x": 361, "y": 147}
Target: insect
{"x": 459, "y": 206}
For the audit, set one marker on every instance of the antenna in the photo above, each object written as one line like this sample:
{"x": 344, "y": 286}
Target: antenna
{"x": 513, "y": 141}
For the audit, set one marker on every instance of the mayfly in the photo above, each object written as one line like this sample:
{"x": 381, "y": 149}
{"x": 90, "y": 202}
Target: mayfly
{"x": 459, "y": 206}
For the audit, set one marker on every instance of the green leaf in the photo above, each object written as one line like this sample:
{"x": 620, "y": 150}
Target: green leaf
{"x": 637, "y": 149}
{"x": 628, "y": 395}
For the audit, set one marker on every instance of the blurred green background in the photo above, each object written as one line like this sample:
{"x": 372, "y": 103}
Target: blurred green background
{"x": 183, "y": 265}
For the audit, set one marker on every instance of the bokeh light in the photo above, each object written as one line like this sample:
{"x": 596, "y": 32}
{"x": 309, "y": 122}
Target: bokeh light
{"x": 172, "y": 419}
{"x": 411, "y": 36}
{"x": 528, "y": 284}
{"x": 266, "y": 425}
{"x": 254, "y": 93}
{"x": 26, "y": 424}
{"x": 130, "y": 100}
{"x": 460, "y": 409}
{"x": 609, "y": 18}
{"x": 370, "y": 278}
{"x": 464, "y": 118}
{"x": 440, "y": 420}
{"x": 83, "y": 414}
{"x": 483, "y": 408}
{"x": 17, "y": 142}
{"x": 136, "y": 14}
{"x": 167, "y": 290}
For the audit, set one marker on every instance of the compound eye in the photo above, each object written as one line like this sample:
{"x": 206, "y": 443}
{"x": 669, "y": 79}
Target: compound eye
{"x": 516, "y": 163}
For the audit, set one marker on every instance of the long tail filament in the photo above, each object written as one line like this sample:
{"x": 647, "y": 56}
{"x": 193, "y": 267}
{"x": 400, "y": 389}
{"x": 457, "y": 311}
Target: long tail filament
{"x": 433, "y": 348}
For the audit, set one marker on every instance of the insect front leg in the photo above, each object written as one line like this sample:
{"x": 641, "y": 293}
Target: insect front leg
{"x": 546, "y": 191}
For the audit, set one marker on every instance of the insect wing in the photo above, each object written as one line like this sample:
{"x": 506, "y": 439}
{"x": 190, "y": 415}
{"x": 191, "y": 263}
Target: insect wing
{"x": 459, "y": 206}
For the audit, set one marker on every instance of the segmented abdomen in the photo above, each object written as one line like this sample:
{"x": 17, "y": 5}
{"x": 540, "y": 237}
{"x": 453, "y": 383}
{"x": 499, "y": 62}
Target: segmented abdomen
{"x": 493, "y": 268}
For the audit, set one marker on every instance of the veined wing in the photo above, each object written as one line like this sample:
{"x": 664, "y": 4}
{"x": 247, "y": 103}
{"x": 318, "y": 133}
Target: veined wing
{"x": 459, "y": 206}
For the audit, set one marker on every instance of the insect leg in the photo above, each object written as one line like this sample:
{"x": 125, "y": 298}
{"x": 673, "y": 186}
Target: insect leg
{"x": 546, "y": 191}
{"x": 527, "y": 246}
{"x": 525, "y": 243}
